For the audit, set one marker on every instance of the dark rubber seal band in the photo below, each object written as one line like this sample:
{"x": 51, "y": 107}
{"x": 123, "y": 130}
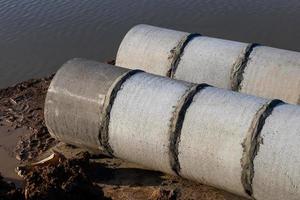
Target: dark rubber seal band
{"x": 177, "y": 52}
{"x": 252, "y": 143}
{"x": 109, "y": 101}
{"x": 177, "y": 122}
{"x": 239, "y": 67}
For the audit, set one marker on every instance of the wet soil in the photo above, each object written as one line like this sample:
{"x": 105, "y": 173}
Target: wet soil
{"x": 8, "y": 142}
{"x": 21, "y": 106}
{"x": 68, "y": 172}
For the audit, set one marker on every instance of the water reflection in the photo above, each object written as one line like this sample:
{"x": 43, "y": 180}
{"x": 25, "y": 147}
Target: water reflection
{"x": 36, "y": 37}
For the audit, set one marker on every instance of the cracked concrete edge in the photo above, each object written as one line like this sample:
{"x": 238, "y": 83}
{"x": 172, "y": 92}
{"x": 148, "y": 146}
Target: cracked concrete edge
{"x": 238, "y": 68}
{"x": 177, "y": 122}
{"x": 108, "y": 103}
{"x": 252, "y": 143}
{"x": 177, "y": 52}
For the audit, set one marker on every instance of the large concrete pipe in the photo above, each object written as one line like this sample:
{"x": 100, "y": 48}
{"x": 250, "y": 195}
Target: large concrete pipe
{"x": 160, "y": 46}
{"x": 273, "y": 70}
{"x": 277, "y": 161}
{"x": 218, "y": 137}
{"x": 248, "y": 68}
{"x": 75, "y": 101}
{"x": 141, "y": 117}
{"x": 214, "y": 138}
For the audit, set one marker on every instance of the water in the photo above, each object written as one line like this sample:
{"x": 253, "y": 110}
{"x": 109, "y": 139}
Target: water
{"x": 36, "y": 37}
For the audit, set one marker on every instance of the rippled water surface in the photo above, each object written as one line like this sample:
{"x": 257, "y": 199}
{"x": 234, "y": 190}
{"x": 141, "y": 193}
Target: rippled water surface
{"x": 37, "y": 36}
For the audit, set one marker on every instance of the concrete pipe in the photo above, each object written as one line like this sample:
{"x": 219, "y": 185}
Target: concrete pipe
{"x": 75, "y": 101}
{"x": 272, "y": 72}
{"x": 277, "y": 161}
{"x": 140, "y": 119}
{"x": 210, "y": 60}
{"x": 151, "y": 48}
{"x": 248, "y": 68}
{"x": 215, "y": 126}
{"x": 240, "y": 143}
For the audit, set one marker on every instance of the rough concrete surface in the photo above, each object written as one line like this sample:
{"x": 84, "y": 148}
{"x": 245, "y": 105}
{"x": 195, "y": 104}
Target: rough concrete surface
{"x": 209, "y": 60}
{"x": 149, "y": 48}
{"x": 215, "y": 126}
{"x": 276, "y": 166}
{"x": 75, "y": 99}
{"x": 140, "y": 119}
{"x": 273, "y": 73}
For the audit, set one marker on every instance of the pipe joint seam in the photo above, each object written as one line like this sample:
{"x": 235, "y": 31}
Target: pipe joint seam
{"x": 108, "y": 103}
{"x": 177, "y": 52}
{"x": 177, "y": 122}
{"x": 252, "y": 142}
{"x": 238, "y": 68}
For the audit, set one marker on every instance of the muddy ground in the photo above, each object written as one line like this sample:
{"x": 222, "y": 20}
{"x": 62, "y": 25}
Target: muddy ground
{"x": 48, "y": 169}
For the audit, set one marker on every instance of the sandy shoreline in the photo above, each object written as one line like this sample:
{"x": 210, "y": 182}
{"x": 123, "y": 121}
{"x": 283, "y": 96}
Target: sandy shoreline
{"x": 72, "y": 172}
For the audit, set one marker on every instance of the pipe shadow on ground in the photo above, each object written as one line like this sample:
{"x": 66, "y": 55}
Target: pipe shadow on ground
{"x": 125, "y": 176}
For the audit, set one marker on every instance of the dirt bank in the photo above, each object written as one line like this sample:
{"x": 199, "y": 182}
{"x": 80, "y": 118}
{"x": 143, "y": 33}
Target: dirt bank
{"x": 72, "y": 173}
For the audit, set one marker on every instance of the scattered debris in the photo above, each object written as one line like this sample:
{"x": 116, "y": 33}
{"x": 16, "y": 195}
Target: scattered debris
{"x": 66, "y": 179}
{"x": 163, "y": 194}
{"x": 54, "y": 158}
